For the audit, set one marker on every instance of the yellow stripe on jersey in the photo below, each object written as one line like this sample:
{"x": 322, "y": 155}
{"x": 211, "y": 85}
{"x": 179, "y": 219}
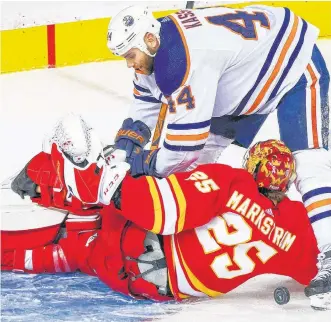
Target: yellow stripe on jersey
{"x": 180, "y": 295}
{"x": 181, "y": 201}
{"x": 183, "y": 296}
{"x": 157, "y": 205}
{"x": 194, "y": 280}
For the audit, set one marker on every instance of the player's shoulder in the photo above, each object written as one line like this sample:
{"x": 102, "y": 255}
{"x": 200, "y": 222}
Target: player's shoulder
{"x": 294, "y": 206}
{"x": 171, "y": 63}
{"x": 224, "y": 170}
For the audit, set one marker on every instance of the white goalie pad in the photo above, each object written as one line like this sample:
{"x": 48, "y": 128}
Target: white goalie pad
{"x": 16, "y": 218}
{"x": 21, "y": 214}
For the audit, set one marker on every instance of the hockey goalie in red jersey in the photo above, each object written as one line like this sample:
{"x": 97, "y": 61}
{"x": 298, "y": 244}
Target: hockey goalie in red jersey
{"x": 192, "y": 234}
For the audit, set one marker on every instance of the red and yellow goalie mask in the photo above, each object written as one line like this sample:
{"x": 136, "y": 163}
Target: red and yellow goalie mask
{"x": 272, "y": 165}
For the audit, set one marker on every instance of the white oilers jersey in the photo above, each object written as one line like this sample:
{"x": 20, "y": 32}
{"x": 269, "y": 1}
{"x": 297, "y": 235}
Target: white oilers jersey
{"x": 220, "y": 61}
{"x": 148, "y": 99}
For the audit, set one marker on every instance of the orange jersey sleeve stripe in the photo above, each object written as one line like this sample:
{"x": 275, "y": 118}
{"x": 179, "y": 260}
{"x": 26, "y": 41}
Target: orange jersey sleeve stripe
{"x": 193, "y": 137}
{"x": 277, "y": 68}
{"x": 318, "y": 204}
{"x": 188, "y": 67}
{"x": 181, "y": 202}
{"x": 313, "y": 105}
{"x": 195, "y": 281}
{"x": 159, "y": 126}
{"x": 136, "y": 92}
{"x": 157, "y": 206}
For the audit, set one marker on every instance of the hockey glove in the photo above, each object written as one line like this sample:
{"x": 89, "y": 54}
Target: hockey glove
{"x": 144, "y": 164}
{"x": 132, "y": 137}
{"x": 23, "y": 185}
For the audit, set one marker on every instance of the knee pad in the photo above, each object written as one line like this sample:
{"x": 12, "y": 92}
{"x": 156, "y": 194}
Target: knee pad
{"x": 214, "y": 146}
{"x": 313, "y": 168}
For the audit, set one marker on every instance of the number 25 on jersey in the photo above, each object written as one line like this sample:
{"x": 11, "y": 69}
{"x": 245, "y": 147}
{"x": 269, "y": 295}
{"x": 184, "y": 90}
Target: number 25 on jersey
{"x": 216, "y": 233}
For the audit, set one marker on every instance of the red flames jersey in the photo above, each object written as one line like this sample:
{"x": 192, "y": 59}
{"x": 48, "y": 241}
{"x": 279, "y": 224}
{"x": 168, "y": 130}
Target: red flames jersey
{"x": 220, "y": 231}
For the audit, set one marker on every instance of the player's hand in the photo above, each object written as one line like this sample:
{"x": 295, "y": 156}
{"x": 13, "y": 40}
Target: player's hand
{"x": 144, "y": 163}
{"x": 132, "y": 137}
{"x": 24, "y": 186}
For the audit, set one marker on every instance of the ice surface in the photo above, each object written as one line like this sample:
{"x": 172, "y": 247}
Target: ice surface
{"x": 31, "y": 102}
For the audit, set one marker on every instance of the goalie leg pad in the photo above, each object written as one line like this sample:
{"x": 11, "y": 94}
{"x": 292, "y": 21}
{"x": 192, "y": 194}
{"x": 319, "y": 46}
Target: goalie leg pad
{"x": 68, "y": 255}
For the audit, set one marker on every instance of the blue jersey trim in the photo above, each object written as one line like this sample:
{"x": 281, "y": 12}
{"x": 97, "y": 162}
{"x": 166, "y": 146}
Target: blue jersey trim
{"x": 149, "y": 99}
{"x": 320, "y": 216}
{"x": 183, "y": 147}
{"x": 141, "y": 89}
{"x": 267, "y": 62}
{"x": 170, "y": 62}
{"x": 189, "y": 126}
{"x": 291, "y": 60}
{"x": 324, "y": 81}
{"x": 315, "y": 192}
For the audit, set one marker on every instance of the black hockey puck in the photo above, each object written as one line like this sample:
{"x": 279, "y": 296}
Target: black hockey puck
{"x": 281, "y": 295}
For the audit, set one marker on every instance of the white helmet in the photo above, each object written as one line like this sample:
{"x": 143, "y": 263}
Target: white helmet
{"x": 128, "y": 29}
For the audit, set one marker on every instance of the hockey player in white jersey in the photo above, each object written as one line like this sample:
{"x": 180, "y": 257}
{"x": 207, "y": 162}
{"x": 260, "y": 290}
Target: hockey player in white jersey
{"x": 221, "y": 72}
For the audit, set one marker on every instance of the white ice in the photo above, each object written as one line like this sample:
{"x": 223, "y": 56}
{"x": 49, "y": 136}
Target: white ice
{"x": 31, "y": 102}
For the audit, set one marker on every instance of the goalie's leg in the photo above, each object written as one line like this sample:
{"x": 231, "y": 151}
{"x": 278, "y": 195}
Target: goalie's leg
{"x": 50, "y": 250}
{"x": 304, "y": 122}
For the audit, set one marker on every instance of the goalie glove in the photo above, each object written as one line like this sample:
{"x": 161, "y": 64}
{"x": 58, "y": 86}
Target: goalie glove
{"x": 39, "y": 171}
{"x": 23, "y": 185}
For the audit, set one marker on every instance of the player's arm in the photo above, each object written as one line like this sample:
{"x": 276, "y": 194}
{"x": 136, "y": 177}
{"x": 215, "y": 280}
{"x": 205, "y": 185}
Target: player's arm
{"x": 191, "y": 93}
{"x": 147, "y": 100}
{"x": 179, "y": 202}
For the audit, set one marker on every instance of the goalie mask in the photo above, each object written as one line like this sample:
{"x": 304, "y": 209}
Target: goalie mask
{"x": 272, "y": 165}
{"x": 89, "y": 171}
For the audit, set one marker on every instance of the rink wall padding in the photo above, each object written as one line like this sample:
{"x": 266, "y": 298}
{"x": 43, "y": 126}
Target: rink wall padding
{"x": 72, "y": 43}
